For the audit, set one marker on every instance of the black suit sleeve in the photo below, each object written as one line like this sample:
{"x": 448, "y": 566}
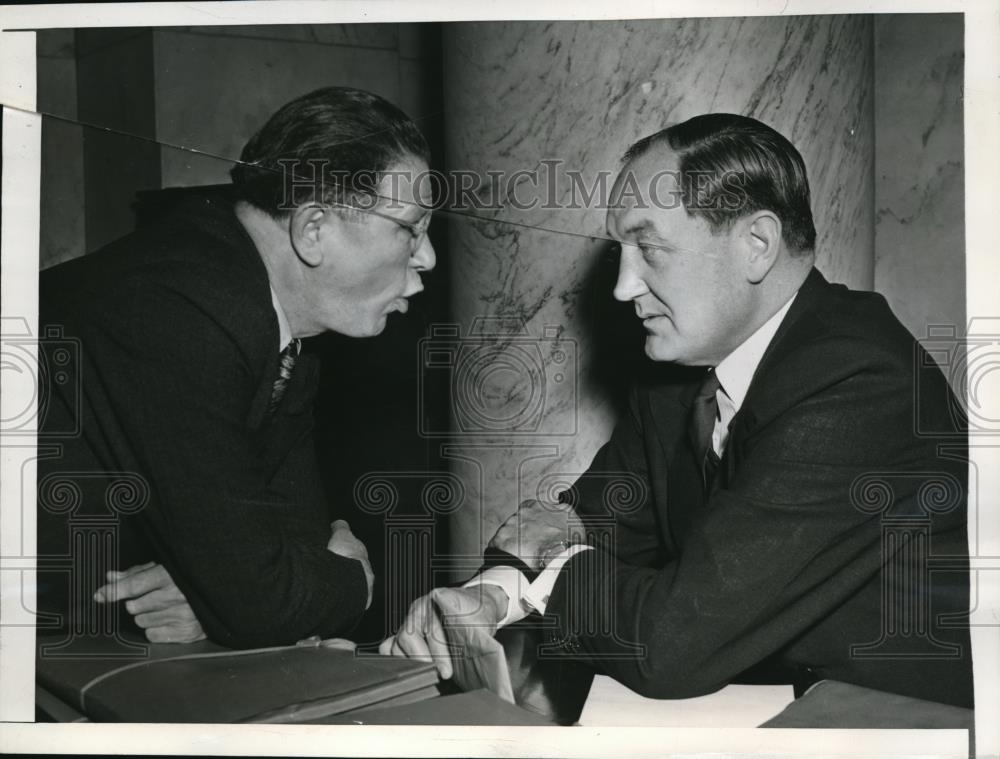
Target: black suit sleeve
{"x": 614, "y": 496}
{"x": 248, "y": 549}
{"x": 773, "y": 551}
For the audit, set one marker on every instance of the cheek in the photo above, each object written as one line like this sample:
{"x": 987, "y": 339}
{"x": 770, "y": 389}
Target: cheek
{"x": 384, "y": 280}
{"x": 693, "y": 297}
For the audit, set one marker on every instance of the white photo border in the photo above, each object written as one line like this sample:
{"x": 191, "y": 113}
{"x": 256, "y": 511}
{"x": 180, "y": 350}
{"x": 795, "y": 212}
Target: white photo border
{"x": 19, "y": 299}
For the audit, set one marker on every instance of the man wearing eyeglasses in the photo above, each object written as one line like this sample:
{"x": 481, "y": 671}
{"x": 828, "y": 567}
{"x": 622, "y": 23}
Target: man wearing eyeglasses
{"x": 194, "y": 382}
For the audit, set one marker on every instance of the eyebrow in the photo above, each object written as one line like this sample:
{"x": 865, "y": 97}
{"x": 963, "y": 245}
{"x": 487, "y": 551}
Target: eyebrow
{"x": 638, "y": 227}
{"x": 421, "y": 217}
{"x": 407, "y": 206}
{"x": 642, "y": 226}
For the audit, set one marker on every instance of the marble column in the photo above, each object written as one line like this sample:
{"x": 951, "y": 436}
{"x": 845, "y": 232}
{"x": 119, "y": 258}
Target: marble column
{"x": 538, "y": 364}
{"x": 920, "y": 176}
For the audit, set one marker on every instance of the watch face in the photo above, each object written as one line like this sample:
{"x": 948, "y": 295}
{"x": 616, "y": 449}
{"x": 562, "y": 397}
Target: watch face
{"x": 552, "y": 551}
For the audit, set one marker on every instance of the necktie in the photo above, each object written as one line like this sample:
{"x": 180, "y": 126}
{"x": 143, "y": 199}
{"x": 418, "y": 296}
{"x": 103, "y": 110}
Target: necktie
{"x": 286, "y": 362}
{"x": 704, "y": 412}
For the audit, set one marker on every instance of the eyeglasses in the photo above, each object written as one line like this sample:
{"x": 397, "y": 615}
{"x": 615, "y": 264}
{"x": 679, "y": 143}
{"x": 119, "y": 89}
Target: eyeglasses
{"x": 417, "y": 229}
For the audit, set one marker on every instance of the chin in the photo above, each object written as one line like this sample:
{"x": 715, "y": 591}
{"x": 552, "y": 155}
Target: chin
{"x": 659, "y": 349}
{"x": 375, "y": 329}
{"x": 356, "y": 330}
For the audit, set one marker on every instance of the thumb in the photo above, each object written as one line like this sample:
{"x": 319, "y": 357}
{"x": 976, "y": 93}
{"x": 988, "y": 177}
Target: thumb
{"x": 101, "y": 595}
{"x": 341, "y": 643}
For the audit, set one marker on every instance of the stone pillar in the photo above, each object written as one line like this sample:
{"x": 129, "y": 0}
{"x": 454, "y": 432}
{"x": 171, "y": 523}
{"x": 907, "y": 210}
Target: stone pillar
{"x": 535, "y": 359}
{"x": 920, "y": 173}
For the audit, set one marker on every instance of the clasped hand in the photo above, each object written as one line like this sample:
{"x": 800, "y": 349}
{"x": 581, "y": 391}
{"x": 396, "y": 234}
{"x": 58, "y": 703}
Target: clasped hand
{"x": 537, "y": 528}
{"x": 422, "y": 635}
{"x": 530, "y": 533}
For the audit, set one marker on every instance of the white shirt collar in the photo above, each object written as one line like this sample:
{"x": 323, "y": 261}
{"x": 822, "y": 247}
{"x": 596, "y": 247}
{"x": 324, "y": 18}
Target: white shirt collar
{"x": 284, "y": 328}
{"x": 736, "y": 370}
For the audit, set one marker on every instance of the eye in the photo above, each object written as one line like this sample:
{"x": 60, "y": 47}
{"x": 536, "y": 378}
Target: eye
{"x": 653, "y": 252}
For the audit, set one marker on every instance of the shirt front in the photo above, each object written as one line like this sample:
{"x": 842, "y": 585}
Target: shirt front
{"x": 735, "y": 372}
{"x": 284, "y": 328}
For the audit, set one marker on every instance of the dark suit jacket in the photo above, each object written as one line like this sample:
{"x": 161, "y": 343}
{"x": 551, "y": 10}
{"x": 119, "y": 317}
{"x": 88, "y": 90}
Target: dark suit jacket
{"x": 178, "y": 352}
{"x": 809, "y": 555}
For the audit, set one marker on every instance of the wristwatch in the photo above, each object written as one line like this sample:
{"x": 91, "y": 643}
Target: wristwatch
{"x": 551, "y": 551}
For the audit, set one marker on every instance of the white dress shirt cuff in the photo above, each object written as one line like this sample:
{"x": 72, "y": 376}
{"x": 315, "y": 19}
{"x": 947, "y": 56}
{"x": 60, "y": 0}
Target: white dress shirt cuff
{"x": 537, "y": 594}
{"x": 514, "y": 584}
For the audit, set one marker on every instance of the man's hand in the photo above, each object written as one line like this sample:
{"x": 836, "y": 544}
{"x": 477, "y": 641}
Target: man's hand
{"x": 154, "y": 601}
{"x": 536, "y": 528}
{"x": 422, "y": 635}
{"x": 343, "y": 543}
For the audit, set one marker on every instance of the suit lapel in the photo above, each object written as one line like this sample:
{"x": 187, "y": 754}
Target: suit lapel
{"x": 278, "y": 434}
{"x": 674, "y": 473}
{"x": 764, "y": 397}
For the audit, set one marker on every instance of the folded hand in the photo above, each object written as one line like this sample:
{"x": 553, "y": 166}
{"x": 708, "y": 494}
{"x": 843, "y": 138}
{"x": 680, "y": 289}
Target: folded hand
{"x": 154, "y": 601}
{"x": 343, "y": 543}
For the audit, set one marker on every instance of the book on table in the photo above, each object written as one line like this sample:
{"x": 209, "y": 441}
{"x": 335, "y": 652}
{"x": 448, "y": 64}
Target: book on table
{"x": 203, "y": 682}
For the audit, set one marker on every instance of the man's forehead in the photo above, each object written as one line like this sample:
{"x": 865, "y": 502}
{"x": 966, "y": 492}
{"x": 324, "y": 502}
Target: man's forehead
{"x": 647, "y": 183}
{"x": 408, "y": 183}
{"x": 628, "y": 224}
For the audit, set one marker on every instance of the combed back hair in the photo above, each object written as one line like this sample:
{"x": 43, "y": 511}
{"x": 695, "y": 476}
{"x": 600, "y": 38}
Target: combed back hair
{"x": 731, "y": 166}
{"x": 332, "y": 145}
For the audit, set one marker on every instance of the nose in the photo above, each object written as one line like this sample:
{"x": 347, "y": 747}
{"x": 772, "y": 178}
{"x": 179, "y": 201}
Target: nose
{"x": 424, "y": 257}
{"x": 630, "y": 284}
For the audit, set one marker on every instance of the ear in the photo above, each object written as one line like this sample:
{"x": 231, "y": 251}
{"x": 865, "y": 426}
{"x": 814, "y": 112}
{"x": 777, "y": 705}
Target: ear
{"x": 306, "y": 232}
{"x": 762, "y": 236}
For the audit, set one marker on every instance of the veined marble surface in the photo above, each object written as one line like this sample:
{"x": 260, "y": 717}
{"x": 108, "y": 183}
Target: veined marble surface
{"x": 554, "y": 98}
{"x": 920, "y": 177}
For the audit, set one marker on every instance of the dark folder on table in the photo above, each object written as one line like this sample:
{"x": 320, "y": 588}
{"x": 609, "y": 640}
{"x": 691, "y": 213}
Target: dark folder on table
{"x": 203, "y": 682}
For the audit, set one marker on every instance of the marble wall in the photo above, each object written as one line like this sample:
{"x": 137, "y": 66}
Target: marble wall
{"x": 217, "y": 85}
{"x": 204, "y": 88}
{"x": 62, "y": 234}
{"x": 541, "y": 350}
{"x": 919, "y": 163}
{"x": 520, "y": 94}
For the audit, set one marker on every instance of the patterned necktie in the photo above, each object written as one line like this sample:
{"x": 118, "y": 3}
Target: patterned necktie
{"x": 286, "y": 363}
{"x": 704, "y": 412}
